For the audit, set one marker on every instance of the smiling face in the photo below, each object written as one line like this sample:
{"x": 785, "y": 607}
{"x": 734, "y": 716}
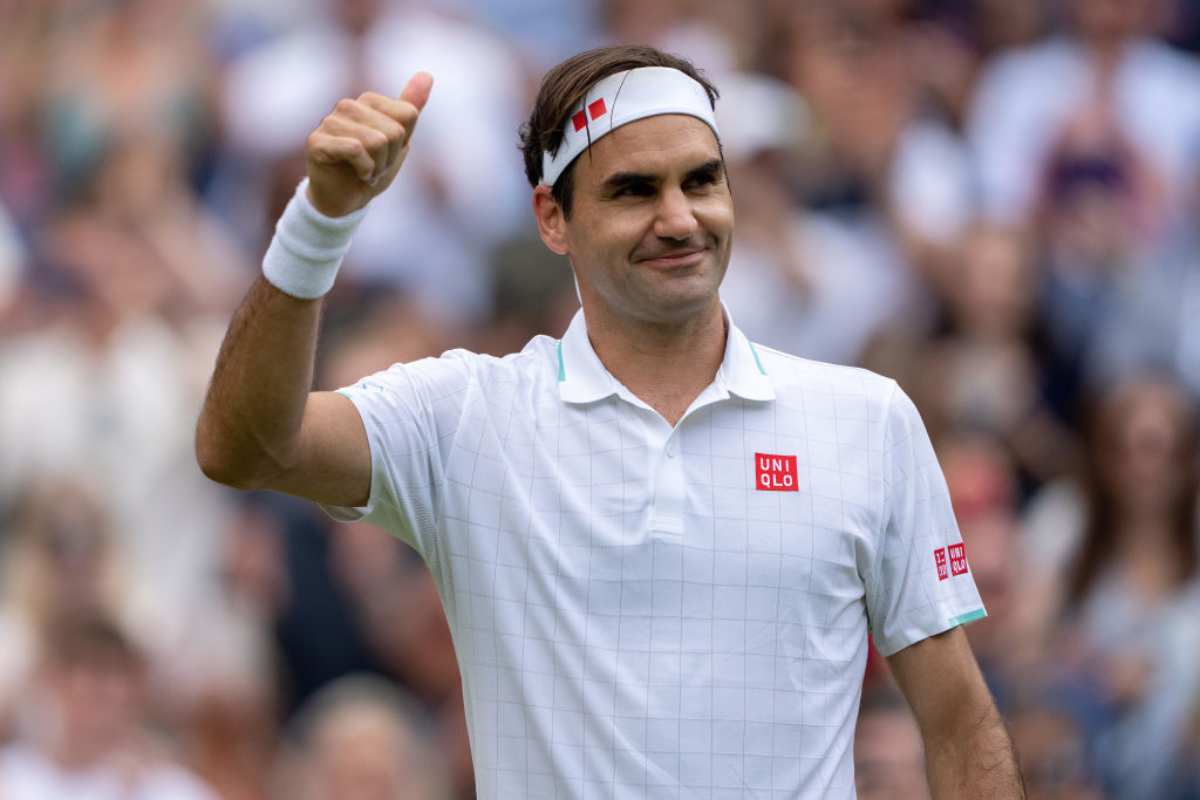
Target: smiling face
{"x": 651, "y": 224}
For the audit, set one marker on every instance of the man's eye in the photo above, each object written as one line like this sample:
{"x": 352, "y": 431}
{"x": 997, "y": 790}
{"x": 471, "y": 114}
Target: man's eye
{"x": 636, "y": 190}
{"x": 703, "y": 180}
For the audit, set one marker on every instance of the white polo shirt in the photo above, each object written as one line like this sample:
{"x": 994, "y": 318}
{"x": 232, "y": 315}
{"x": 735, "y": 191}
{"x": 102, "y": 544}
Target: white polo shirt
{"x": 641, "y": 611}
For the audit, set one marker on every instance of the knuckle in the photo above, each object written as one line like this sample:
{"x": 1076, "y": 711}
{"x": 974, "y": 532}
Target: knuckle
{"x": 373, "y": 99}
{"x": 376, "y": 140}
{"x": 344, "y": 106}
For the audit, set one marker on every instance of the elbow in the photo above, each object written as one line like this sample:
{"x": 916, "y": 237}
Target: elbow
{"x": 221, "y": 469}
{"x": 223, "y": 464}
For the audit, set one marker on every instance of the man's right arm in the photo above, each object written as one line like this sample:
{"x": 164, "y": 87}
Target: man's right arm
{"x": 261, "y": 426}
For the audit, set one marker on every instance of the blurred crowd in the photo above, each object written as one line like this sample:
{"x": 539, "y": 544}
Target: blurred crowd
{"x": 995, "y": 202}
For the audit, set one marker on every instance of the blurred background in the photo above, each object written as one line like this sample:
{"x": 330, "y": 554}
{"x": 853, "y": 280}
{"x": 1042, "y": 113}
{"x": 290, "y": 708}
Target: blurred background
{"x": 993, "y": 201}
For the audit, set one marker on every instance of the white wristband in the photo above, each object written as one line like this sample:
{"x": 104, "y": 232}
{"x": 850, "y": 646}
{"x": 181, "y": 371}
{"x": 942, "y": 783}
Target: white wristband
{"x": 308, "y": 247}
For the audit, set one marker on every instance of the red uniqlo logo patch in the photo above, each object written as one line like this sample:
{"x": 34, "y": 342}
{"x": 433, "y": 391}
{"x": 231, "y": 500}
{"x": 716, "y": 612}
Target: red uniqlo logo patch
{"x": 958, "y": 559}
{"x": 775, "y": 473}
{"x": 939, "y": 558}
{"x": 596, "y": 109}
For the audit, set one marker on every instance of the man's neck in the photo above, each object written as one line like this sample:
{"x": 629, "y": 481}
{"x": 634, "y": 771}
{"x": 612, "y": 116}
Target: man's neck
{"x": 666, "y": 365}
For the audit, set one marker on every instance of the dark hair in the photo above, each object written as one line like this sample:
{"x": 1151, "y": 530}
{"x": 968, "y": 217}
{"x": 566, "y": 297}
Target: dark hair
{"x": 1100, "y": 535}
{"x": 563, "y": 89}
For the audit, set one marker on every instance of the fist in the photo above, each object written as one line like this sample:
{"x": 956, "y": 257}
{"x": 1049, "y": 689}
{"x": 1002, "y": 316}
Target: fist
{"x": 356, "y": 151}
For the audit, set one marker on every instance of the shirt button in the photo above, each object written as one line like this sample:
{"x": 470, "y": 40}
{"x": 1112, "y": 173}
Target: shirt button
{"x": 671, "y": 449}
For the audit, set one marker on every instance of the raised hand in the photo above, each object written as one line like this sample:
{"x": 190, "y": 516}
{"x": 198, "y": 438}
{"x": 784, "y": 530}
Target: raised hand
{"x": 356, "y": 151}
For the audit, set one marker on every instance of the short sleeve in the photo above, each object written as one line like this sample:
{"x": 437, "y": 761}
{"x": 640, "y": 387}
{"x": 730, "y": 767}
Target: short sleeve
{"x": 411, "y": 413}
{"x": 920, "y": 582}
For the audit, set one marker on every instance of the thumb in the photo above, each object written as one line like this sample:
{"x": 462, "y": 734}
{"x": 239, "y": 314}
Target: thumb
{"x": 416, "y": 91}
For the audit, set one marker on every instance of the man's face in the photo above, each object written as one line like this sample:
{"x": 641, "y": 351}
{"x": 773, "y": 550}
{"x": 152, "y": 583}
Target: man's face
{"x": 652, "y": 221}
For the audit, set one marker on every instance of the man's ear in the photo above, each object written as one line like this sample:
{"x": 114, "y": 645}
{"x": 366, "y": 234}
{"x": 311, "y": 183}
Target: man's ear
{"x": 552, "y": 225}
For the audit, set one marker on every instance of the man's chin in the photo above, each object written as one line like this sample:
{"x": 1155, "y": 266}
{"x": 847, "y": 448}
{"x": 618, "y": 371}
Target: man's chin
{"x": 680, "y": 299}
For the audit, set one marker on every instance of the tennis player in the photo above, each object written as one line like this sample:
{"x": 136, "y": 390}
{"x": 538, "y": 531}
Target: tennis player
{"x": 660, "y": 547}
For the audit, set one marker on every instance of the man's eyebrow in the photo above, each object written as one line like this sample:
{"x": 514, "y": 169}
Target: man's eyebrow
{"x": 619, "y": 180}
{"x": 707, "y": 169}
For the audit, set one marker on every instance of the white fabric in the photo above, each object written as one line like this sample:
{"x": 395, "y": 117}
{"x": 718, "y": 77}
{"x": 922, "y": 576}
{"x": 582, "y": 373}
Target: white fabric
{"x": 632, "y": 617}
{"x": 69, "y": 408}
{"x": 622, "y": 98}
{"x": 308, "y": 247}
{"x": 26, "y": 774}
{"x": 1018, "y": 111}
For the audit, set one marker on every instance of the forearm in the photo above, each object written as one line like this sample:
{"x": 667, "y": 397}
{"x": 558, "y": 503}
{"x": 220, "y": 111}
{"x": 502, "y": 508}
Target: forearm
{"x": 255, "y": 402}
{"x": 260, "y": 427}
{"x": 976, "y": 761}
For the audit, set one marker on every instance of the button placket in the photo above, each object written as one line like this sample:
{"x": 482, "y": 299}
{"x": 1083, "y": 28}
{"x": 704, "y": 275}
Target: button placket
{"x": 669, "y": 488}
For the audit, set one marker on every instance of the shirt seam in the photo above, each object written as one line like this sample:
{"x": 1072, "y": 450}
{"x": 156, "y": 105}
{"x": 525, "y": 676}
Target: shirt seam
{"x": 885, "y": 458}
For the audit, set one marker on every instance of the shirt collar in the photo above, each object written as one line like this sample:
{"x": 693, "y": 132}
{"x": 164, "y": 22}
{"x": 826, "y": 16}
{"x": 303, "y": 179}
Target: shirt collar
{"x": 583, "y": 378}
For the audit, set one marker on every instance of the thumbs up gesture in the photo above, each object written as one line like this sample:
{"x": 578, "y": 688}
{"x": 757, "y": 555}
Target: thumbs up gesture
{"x": 356, "y": 151}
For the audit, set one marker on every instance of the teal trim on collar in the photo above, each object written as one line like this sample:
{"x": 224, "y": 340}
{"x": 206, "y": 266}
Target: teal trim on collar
{"x": 970, "y": 616}
{"x": 590, "y": 381}
{"x": 757, "y": 361}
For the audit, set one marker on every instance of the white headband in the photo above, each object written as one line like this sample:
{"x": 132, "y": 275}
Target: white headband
{"x": 620, "y": 99}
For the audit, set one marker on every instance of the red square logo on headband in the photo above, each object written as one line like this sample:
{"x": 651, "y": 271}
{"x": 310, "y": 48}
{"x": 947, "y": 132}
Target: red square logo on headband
{"x": 596, "y": 109}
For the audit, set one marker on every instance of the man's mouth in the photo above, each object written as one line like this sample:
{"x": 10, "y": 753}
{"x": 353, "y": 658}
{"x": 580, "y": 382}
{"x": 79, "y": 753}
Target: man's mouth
{"x": 675, "y": 258}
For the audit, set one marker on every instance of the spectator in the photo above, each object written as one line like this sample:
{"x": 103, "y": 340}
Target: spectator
{"x": 985, "y": 371}
{"x": 882, "y": 148}
{"x": 1125, "y": 589}
{"x": 86, "y": 738}
{"x": 888, "y": 756}
{"x": 1006, "y": 284}
{"x": 800, "y": 280}
{"x": 112, "y": 370}
{"x": 1048, "y": 743}
{"x": 1152, "y": 320}
{"x": 361, "y": 739}
{"x": 1149, "y": 93}
{"x": 61, "y": 559}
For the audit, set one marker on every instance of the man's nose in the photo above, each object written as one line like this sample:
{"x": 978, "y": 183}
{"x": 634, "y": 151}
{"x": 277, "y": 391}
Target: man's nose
{"x": 674, "y": 217}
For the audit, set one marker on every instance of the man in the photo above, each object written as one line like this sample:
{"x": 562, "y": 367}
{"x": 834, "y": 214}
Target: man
{"x": 658, "y": 546}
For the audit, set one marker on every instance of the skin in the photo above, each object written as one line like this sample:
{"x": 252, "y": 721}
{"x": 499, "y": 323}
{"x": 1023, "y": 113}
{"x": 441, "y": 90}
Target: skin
{"x": 649, "y": 239}
{"x": 968, "y": 752}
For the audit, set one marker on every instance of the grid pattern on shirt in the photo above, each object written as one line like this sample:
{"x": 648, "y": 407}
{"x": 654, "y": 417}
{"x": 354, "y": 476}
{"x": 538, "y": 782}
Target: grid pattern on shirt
{"x": 604, "y": 656}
